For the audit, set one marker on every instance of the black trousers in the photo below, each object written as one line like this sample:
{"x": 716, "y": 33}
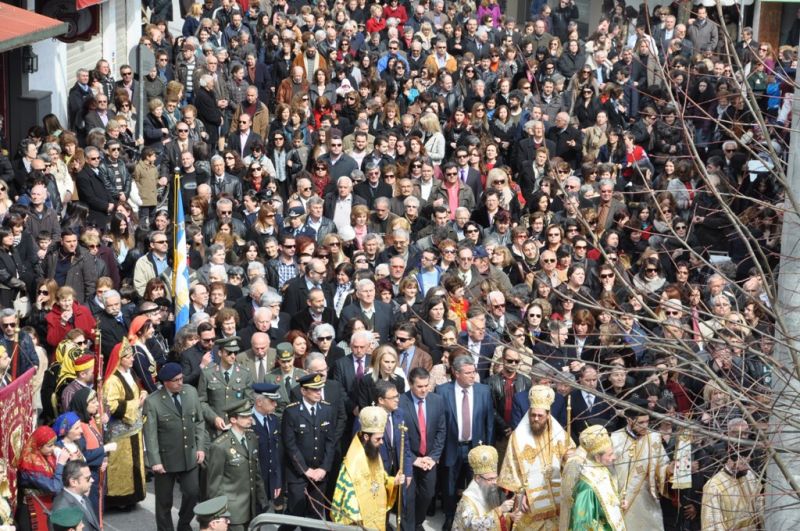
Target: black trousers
{"x": 190, "y": 495}
{"x": 458, "y": 477}
{"x": 425, "y": 481}
{"x": 305, "y": 498}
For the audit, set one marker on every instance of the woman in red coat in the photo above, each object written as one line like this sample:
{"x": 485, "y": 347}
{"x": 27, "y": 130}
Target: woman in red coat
{"x": 67, "y": 315}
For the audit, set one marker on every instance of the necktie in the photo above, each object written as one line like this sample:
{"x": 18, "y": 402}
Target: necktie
{"x": 243, "y": 440}
{"x": 288, "y": 383}
{"x": 360, "y": 368}
{"x": 177, "y": 400}
{"x": 466, "y": 418}
{"x": 589, "y": 402}
{"x": 266, "y": 424}
{"x": 423, "y": 429}
{"x": 227, "y": 377}
{"x": 404, "y": 361}
{"x": 389, "y": 432}
{"x": 313, "y": 412}
{"x": 260, "y": 370}
{"x": 120, "y": 320}
{"x": 463, "y": 175}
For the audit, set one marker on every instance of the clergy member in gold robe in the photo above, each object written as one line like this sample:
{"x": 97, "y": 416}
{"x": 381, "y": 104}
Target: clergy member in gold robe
{"x": 364, "y": 491}
{"x": 731, "y": 498}
{"x": 483, "y": 506}
{"x": 595, "y": 498}
{"x": 642, "y": 469}
{"x": 532, "y": 464}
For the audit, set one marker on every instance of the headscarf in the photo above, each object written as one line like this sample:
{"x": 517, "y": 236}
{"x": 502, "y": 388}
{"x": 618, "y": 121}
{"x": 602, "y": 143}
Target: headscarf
{"x": 116, "y": 354}
{"x": 64, "y": 422}
{"x": 136, "y": 325}
{"x": 66, "y": 354}
{"x": 32, "y": 459}
{"x": 80, "y": 403}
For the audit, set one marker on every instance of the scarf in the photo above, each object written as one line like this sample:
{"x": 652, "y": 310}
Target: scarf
{"x": 32, "y": 459}
{"x": 64, "y": 422}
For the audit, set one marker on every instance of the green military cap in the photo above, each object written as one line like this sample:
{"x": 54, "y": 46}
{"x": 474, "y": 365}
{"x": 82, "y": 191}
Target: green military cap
{"x": 213, "y": 508}
{"x": 230, "y": 344}
{"x": 67, "y": 517}
{"x": 285, "y": 351}
{"x": 311, "y": 381}
{"x": 240, "y": 408}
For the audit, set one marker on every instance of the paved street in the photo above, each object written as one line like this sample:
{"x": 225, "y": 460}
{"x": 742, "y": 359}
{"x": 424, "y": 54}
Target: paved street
{"x": 143, "y": 517}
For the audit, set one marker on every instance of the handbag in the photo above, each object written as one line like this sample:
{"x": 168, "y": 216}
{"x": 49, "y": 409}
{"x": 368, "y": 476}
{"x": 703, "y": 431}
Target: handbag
{"x": 22, "y": 305}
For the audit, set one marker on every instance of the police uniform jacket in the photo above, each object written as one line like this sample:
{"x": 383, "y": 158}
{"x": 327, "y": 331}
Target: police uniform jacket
{"x": 171, "y": 438}
{"x": 216, "y": 395}
{"x": 307, "y": 442}
{"x": 270, "y": 452}
{"x": 234, "y": 471}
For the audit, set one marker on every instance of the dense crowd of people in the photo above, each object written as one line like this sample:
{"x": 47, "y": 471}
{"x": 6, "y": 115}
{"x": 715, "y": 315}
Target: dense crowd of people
{"x": 426, "y": 207}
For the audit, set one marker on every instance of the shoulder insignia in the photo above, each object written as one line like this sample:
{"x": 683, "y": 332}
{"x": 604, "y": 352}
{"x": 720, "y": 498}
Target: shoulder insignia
{"x": 220, "y": 437}
{"x": 293, "y": 404}
{"x": 324, "y": 402}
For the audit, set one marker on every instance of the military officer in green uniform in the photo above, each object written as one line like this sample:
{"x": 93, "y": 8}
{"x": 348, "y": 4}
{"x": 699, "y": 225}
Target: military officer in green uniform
{"x": 222, "y": 384}
{"x": 285, "y": 375}
{"x": 175, "y": 440}
{"x": 233, "y": 469}
{"x": 67, "y": 519}
{"x": 213, "y": 515}
{"x": 308, "y": 428}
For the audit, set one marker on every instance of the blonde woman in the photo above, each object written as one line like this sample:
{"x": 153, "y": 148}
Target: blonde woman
{"x": 384, "y": 366}
{"x": 434, "y": 139}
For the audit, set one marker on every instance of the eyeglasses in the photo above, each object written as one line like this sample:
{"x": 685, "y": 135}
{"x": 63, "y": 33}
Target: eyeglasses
{"x": 673, "y": 312}
{"x": 127, "y": 73}
{"x": 513, "y": 362}
{"x": 334, "y": 244}
{"x": 256, "y": 168}
{"x": 44, "y": 292}
{"x": 401, "y": 339}
{"x": 500, "y": 305}
{"x": 548, "y": 260}
{"x": 462, "y": 155}
{"x": 183, "y": 130}
{"x": 8, "y": 325}
{"x": 534, "y": 315}
{"x": 229, "y": 157}
{"x": 243, "y": 122}
{"x": 110, "y": 149}
{"x": 288, "y": 246}
{"x": 225, "y": 212}
{"x": 580, "y": 247}
{"x": 449, "y": 251}
{"x": 81, "y": 343}
{"x": 337, "y": 144}
{"x": 93, "y": 158}
{"x": 321, "y": 168}
{"x": 607, "y": 275}
{"x": 680, "y": 227}
{"x": 471, "y": 231}
{"x": 326, "y": 338}
{"x": 451, "y": 173}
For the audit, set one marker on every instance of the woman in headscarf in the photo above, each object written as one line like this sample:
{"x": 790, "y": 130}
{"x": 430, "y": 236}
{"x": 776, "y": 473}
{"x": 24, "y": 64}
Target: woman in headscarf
{"x": 70, "y": 431}
{"x": 39, "y": 476}
{"x": 126, "y": 483}
{"x": 66, "y": 355}
{"x": 145, "y": 365}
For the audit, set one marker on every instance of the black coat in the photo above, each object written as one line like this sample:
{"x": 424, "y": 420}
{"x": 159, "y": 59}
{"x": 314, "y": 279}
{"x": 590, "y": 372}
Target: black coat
{"x": 296, "y": 295}
{"x": 94, "y": 193}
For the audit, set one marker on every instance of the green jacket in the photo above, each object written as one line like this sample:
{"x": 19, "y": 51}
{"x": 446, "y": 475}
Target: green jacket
{"x": 172, "y": 439}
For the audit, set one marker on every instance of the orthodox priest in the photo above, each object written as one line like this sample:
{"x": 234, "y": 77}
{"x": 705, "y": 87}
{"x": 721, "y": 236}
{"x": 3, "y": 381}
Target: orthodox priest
{"x": 482, "y": 506}
{"x": 731, "y": 498}
{"x": 642, "y": 469}
{"x": 595, "y": 499}
{"x": 532, "y": 465}
{"x": 364, "y": 492}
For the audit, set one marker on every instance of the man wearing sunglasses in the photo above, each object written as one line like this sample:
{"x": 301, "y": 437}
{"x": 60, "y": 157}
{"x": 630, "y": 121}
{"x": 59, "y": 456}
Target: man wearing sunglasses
{"x": 92, "y": 188}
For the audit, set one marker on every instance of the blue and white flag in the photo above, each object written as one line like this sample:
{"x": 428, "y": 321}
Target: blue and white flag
{"x": 180, "y": 277}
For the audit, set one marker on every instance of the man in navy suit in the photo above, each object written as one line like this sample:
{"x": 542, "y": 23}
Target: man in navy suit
{"x": 470, "y": 422}
{"x": 389, "y": 399}
{"x": 242, "y": 140}
{"x": 588, "y": 409}
{"x": 352, "y": 368}
{"x": 425, "y": 414}
{"x": 476, "y": 341}
{"x": 467, "y": 174}
{"x": 267, "y": 428}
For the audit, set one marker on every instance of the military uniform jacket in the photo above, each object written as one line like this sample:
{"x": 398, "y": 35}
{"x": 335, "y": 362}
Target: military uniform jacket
{"x": 270, "y": 452}
{"x": 233, "y": 471}
{"x": 276, "y": 377}
{"x": 172, "y": 439}
{"x": 307, "y": 442}
{"x": 216, "y": 395}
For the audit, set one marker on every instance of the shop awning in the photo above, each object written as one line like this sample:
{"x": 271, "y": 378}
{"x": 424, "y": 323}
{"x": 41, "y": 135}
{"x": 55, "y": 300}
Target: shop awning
{"x": 25, "y": 27}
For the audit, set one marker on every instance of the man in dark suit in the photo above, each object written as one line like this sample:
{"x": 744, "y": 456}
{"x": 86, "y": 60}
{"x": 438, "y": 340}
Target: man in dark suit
{"x": 267, "y": 425}
{"x": 525, "y": 150}
{"x": 92, "y": 188}
{"x": 208, "y": 110}
{"x": 477, "y": 343}
{"x": 200, "y": 356}
{"x": 352, "y": 368}
{"x": 296, "y": 293}
{"x": 112, "y": 323}
{"x": 247, "y": 305}
{"x": 467, "y": 174}
{"x": 171, "y": 154}
{"x": 468, "y": 408}
{"x": 243, "y": 139}
{"x": 374, "y": 187}
{"x": 77, "y": 480}
{"x": 98, "y": 118}
{"x": 588, "y": 409}
{"x": 410, "y": 355}
{"x": 78, "y": 94}
{"x": 343, "y": 198}
{"x": 259, "y": 359}
{"x": 316, "y": 312}
{"x": 567, "y": 140}
{"x": 377, "y": 315}
{"x": 222, "y": 182}
{"x": 425, "y": 419}
{"x": 308, "y": 428}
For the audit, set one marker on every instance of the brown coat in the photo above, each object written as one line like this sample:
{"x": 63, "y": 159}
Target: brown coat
{"x": 146, "y": 177}
{"x": 322, "y": 63}
{"x": 285, "y": 92}
{"x": 260, "y": 120}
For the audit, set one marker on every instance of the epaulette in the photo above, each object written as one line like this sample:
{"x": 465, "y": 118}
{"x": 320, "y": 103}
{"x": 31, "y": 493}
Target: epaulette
{"x": 324, "y": 402}
{"x": 221, "y": 436}
{"x": 292, "y": 404}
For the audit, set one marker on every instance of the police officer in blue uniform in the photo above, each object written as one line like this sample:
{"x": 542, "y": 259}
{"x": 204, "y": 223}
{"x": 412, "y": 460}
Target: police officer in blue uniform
{"x": 267, "y": 427}
{"x": 308, "y": 441}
